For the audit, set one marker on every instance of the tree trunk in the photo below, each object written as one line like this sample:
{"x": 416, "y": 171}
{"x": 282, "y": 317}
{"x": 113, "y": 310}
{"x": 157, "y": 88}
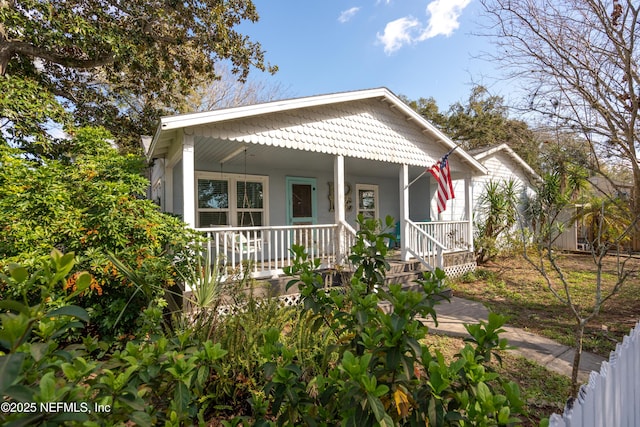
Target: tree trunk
{"x": 576, "y": 358}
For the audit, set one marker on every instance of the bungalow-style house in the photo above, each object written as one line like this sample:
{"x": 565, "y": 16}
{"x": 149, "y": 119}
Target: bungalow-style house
{"x": 258, "y": 179}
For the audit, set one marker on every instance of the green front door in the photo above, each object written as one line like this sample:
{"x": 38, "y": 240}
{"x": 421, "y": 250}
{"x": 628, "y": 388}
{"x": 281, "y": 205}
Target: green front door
{"x": 301, "y": 201}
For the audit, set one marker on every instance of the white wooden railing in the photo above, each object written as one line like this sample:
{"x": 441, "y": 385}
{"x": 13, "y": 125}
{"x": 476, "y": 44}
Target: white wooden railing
{"x": 453, "y": 235}
{"x": 612, "y": 396}
{"x": 267, "y": 249}
{"x": 424, "y": 246}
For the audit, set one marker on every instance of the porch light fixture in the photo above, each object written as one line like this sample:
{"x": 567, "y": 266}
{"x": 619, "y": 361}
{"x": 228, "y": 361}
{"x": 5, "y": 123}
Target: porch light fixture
{"x": 233, "y": 154}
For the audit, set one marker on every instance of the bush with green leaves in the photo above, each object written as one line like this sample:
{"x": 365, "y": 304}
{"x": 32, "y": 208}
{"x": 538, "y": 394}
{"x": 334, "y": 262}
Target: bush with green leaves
{"x": 161, "y": 380}
{"x": 91, "y": 202}
{"x": 376, "y": 371}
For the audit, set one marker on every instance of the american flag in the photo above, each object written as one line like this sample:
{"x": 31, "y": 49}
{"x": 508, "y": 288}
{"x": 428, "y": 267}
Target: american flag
{"x": 441, "y": 173}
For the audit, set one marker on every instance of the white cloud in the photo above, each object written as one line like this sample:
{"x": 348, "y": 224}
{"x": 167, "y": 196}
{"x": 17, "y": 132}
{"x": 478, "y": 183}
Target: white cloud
{"x": 398, "y": 33}
{"x": 443, "y": 20}
{"x": 346, "y": 15}
{"x": 444, "y": 17}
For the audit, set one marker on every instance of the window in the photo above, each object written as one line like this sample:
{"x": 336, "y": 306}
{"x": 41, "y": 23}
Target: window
{"x": 367, "y": 200}
{"x": 231, "y": 199}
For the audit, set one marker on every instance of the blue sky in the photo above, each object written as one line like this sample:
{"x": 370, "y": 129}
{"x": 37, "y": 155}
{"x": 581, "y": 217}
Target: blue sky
{"x": 416, "y": 48}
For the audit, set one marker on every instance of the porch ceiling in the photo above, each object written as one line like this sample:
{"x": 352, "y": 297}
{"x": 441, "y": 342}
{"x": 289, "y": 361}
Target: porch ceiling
{"x": 260, "y": 157}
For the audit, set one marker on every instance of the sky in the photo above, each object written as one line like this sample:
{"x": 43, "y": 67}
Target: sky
{"x": 415, "y": 48}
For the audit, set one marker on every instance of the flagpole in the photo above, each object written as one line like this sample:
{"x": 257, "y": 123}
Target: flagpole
{"x": 426, "y": 170}
{"x": 419, "y": 176}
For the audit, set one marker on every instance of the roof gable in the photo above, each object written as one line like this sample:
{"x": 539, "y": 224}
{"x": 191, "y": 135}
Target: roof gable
{"x": 485, "y": 153}
{"x": 372, "y": 124}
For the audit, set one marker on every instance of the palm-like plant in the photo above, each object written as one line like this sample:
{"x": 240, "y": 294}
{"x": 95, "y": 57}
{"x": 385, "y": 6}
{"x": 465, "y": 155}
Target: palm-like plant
{"x": 498, "y": 210}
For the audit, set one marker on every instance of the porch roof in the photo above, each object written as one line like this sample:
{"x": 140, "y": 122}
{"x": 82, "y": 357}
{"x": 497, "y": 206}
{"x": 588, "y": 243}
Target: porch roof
{"x": 369, "y": 124}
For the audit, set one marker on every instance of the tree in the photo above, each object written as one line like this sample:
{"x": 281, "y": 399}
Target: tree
{"x": 485, "y": 121}
{"x": 577, "y": 61}
{"x": 482, "y": 122}
{"x": 428, "y": 108}
{"x": 546, "y": 218}
{"x": 226, "y": 92}
{"x": 95, "y": 54}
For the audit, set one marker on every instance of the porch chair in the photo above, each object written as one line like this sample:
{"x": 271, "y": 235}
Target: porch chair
{"x": 246, "y": 247}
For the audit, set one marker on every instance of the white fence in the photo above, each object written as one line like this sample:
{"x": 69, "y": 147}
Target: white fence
{"x": 611, "y": 398}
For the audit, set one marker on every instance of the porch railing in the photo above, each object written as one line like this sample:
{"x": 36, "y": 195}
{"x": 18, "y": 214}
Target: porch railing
{"x": 424, "y": 247}
{"x": 267, "y": 249}
{"x": 453, "y": 235}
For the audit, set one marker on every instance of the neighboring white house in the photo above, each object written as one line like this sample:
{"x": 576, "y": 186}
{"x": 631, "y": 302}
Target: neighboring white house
{"x": 261, "y": 177}
{"x": 503, "y": 164}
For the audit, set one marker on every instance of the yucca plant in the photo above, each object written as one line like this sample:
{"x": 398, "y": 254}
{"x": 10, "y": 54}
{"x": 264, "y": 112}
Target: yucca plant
{"x": 498, "y": 209}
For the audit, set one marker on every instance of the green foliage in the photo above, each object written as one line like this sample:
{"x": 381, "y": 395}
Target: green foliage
{"x": 92, "y": 203}
{"x": 370, "y": 250}
{"x": 607, "y": 222}
{"x": 546, "y": 212}
{"x": 123, "y": 65}
{"x": 497, "y": 215}
{"x": 158, "y": 381}
{"x": 341, "y": 360}
{"x": 25, "y": 110}
{"x": 382, "y": 374}
{"x": 482, "y": 122}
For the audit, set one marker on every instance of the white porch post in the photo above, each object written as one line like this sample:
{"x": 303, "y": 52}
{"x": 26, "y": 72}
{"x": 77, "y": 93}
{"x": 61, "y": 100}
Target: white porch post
{"x": 404, "y": 211}
{"x": 339, "y": 207}
{"x": 468, "y": 204}
{"x": 168, "y": 189}
{"x": 188, "y": 181}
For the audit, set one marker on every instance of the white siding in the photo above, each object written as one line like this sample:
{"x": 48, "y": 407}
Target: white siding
{"x": 501, "y": 167}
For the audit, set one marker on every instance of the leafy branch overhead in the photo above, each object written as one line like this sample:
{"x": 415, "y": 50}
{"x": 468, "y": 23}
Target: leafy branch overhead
{"x": 94, "y": 54}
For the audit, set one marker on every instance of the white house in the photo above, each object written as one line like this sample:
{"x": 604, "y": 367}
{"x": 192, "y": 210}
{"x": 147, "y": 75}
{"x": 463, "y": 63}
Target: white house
{"x": 260, "y": 178}
{"x": 503, "y": 164}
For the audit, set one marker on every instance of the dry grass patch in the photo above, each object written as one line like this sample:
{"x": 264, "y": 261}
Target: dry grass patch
{"x": 510, "y": 286}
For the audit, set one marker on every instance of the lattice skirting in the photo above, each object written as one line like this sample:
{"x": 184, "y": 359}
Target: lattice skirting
{"x": 459, "y": 270}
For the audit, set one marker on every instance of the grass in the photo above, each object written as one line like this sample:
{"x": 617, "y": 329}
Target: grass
{"x": 510, "y": 286}
{"x": 543, "y": 391}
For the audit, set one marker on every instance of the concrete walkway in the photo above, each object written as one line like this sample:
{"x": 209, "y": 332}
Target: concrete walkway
{"x": 556, "y": 357}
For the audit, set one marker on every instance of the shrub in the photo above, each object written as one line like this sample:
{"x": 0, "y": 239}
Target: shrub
{"x": 90, "y": 202}
{"x": 157, "y": 381}
{"x": 382, "y": 374}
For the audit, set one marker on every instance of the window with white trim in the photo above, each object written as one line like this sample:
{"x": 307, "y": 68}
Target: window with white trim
{"x": 367, "y": 200}
{"x": 231, "y": 199}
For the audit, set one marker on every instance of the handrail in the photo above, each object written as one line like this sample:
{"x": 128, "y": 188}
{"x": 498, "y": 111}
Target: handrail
{"x": 454, "y": 235}
{"x": 349, "y": 228}
{"x": 427, "y": 235}
{"x": 424, "y": 247}
{"x": 264, "y": 228}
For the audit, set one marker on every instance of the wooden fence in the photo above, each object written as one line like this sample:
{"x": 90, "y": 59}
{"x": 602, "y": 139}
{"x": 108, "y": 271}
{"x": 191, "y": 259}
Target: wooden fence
{"x": 612, "y": 396}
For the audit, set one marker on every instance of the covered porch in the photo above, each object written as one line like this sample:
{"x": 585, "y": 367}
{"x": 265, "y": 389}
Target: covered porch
{"x": 256, "y": 180}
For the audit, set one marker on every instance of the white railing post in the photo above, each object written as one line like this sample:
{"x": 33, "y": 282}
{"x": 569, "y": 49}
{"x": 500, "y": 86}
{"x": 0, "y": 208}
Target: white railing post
{"x": 468, "y": 203}
{"x": 188, "y": 181}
